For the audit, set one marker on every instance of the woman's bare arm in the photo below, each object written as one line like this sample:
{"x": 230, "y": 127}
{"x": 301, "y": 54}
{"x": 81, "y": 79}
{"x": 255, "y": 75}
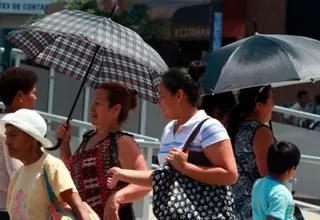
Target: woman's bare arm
{"x": 131, "y": 158}
{"x": 74, "y": 201}
{"x": 137, "y": 177}
{"x": 263, "y": 138}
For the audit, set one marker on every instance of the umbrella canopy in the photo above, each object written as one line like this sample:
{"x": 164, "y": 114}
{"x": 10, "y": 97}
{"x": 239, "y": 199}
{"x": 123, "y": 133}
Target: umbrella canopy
{"x": 262, "y": 59}
{"x": 74, "y": 43}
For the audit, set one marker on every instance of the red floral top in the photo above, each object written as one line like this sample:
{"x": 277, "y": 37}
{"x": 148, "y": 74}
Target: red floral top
{"x": 89, "y": 169}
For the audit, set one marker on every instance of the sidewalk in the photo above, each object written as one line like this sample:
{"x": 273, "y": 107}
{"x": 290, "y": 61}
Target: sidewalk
{"x": 151, "y": 216}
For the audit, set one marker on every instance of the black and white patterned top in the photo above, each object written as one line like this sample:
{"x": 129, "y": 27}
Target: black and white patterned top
{"x": 247, "y": 168}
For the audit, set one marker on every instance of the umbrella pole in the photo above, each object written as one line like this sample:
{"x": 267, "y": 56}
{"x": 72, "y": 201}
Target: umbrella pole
{"x": 255, "y": 27}
{"x": 113, "y": 10}
{"x": 77, "y": 97}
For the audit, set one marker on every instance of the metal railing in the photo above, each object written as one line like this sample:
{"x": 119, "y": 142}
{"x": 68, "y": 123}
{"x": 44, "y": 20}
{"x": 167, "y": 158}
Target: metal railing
{"x": 296, "y": 113}
{"x": 308, "y": 207}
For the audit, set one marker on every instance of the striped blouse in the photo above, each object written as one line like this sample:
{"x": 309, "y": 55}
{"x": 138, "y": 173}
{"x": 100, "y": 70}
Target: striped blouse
{"x": 211, "y": 132}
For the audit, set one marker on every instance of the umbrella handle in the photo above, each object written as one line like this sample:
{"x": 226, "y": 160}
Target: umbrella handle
{"x": 59, "y": 142}
{"x": 56, "y": 147}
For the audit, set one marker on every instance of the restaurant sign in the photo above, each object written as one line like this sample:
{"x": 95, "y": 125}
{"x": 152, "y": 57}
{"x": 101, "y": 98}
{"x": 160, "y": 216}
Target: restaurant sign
{"x": 191, "y": 33}
{"x": 23, "y": 6}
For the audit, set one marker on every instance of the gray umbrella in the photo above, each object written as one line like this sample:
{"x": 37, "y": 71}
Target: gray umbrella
{"x": 262, "y": 59}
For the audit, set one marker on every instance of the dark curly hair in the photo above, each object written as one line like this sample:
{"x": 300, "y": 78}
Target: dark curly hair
{"x": 13, "y": 80}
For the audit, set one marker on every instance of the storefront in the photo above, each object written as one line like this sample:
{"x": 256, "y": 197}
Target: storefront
{"x": 186, "y": 26}
{"x": 193, "y": 32}
{"x": 197, "y": 26}
{"x": 23, "y": 6}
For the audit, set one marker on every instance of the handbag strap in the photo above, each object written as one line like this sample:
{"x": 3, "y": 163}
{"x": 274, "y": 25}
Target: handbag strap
{"x": 193, "y": 135}
{"x": 50, "y": 191}
{"x": 63, "y": 212}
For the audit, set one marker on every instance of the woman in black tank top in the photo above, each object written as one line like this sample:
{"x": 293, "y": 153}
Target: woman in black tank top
{"x": 251, "y": 140}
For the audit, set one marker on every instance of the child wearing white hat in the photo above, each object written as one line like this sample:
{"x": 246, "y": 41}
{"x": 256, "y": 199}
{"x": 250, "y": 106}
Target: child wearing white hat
{"x": 28, "y": 197}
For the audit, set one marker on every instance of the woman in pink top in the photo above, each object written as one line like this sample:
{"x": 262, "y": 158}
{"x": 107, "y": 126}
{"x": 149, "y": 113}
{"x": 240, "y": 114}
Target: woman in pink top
{"x": 17, "y": 91}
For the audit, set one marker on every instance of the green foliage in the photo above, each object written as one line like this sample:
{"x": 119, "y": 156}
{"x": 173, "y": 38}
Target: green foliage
{"x": 36, "y": 17}
{"x": 137, "y": 19}
{"x": 89, "y": 6}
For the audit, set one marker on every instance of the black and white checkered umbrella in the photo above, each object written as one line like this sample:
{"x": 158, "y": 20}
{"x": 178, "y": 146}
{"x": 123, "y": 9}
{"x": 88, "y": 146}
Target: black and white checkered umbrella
{"x": 70, "y": 40}
{"x": 92, "y": 49}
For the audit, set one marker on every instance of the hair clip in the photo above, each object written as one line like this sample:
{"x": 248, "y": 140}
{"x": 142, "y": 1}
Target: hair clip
{"x": 260, "y": 91}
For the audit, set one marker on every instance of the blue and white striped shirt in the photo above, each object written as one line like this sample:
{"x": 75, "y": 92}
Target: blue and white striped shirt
{"x": 211, "y": 132}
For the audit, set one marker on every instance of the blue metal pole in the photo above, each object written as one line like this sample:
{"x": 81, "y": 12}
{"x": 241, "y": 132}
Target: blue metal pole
{"x": 216, "y": 24}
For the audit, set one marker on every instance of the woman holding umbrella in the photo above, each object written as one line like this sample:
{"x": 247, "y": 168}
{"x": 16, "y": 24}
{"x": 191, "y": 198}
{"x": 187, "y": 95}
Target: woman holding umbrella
{"x": 251, "y": 139}
{"x": 102, "y": 148}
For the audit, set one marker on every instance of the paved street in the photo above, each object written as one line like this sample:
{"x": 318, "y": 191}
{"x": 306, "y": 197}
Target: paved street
{"x": 307, "y": 213}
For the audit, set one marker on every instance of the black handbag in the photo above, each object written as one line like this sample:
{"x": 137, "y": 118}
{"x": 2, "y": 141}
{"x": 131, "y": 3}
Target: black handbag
{"x": 176, "y": 196}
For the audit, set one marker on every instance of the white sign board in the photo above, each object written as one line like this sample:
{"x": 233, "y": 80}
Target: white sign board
{"x": 23, "y": 6}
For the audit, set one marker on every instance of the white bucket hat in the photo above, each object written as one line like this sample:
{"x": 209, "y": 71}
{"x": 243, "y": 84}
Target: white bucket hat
{"x": 28, "y": 121}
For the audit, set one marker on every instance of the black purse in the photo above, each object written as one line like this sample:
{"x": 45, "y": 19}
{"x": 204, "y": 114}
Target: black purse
{"x": 176, "y": 196}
